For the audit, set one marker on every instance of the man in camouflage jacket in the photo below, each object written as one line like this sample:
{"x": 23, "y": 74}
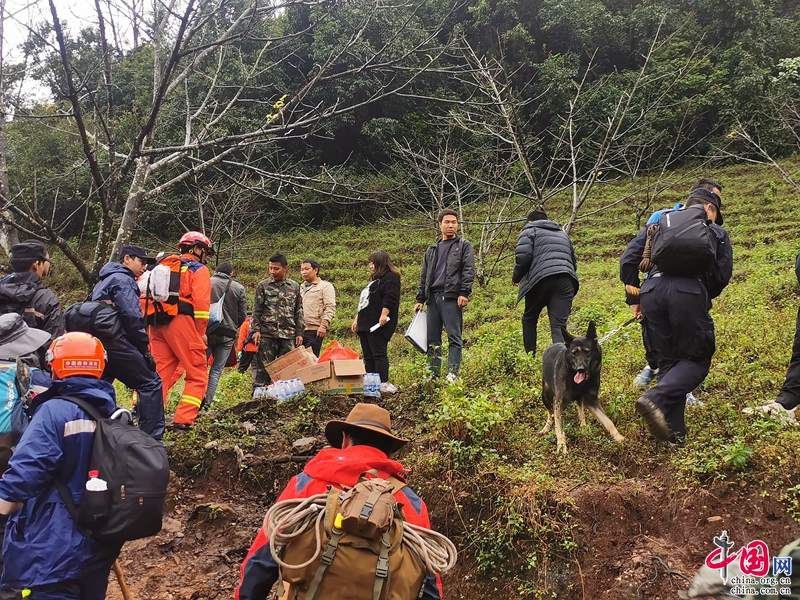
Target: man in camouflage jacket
{"x": 277, "y": 323}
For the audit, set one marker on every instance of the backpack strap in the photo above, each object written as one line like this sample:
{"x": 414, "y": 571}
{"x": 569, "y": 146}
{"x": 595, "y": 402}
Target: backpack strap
{"x": 65, "y": 494}
{"x": 382, "y": 568}
{"x": 327, "y": 558}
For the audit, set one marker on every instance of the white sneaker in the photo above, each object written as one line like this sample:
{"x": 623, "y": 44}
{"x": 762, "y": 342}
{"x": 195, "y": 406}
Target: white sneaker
{"x": 774, "y": 410}
{"x": 451, "y": 378}
{"x": 388, "y": 388}
{"x": 646, "y": 377}
{"x": 691, "y": 400}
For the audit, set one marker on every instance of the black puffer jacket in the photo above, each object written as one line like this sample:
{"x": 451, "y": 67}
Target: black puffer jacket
{"x": 23, "y": 293}
{"x": 459, "y": 271}
{"x": 543, "y": 249}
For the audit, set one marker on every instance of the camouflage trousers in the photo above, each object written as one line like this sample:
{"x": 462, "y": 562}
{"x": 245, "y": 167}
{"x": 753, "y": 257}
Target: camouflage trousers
{"x": 269, "y": 349}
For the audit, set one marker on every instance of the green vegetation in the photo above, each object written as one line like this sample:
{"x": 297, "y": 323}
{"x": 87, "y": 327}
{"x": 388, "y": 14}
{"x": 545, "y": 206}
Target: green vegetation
{"x": 499, "y": 487}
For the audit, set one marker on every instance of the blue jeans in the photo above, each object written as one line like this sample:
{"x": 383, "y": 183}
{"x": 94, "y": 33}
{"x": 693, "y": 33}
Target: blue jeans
{"x": 444, "y": 312}
{"x": 220, "y": 352}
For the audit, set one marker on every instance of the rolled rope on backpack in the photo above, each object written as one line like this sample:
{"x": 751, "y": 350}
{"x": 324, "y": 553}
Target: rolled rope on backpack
{"x": 646, "y": 263}
{"x": 291, "y": 518}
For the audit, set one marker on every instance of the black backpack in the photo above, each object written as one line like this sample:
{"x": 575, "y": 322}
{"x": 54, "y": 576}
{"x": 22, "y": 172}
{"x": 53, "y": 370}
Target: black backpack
{"x": 99, "y": 318}
{"x": 135, "y": 467}
{"x": 683, "y": 243}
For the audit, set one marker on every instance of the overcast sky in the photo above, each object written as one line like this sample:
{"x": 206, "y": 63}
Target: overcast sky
{"x": 74, "y": 14}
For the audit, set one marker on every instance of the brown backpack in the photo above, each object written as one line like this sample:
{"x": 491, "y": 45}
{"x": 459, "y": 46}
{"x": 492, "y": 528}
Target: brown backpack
{"x": 362, "y": 555}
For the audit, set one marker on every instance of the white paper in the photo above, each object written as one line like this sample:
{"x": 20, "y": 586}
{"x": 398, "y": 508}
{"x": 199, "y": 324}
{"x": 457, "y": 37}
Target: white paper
{"x": 377, "y": 325}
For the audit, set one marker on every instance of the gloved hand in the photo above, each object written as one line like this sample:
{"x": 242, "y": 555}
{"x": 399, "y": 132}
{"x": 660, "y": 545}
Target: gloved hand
{"x": 151, "y": 361}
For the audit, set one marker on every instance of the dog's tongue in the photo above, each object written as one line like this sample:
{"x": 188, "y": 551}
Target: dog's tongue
{"x": 580, "y": 377}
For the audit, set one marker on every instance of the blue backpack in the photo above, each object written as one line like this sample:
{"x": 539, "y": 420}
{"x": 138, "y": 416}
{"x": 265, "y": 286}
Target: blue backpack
{"x": 15, "y": 394}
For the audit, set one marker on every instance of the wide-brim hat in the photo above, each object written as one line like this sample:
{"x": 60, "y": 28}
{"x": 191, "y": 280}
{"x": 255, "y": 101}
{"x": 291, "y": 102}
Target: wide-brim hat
{"x": 17, "y": 339}
{"x": 364, "y": 416}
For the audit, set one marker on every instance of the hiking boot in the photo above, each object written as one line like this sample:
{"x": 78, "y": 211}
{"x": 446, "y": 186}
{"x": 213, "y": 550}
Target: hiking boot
{"x": 677, "y": 441}
{"x": 451, "y": 378}
{"x": 646, "y": 377}
{"x": 691, "y": 400}
{"x": 654, "y": 417}
{"x": 181, "y": 427}
{"x": 773, "y": 409}
{"x": 388, "y": 388}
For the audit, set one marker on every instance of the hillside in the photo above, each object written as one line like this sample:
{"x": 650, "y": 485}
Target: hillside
{"x": 528, "y": 524}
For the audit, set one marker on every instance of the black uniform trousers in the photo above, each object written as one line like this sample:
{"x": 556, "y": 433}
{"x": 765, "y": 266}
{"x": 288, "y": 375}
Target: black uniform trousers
{"x": 789, "y": 396}
{"x": 682, "y": 334}
{"x": 128, "y": 365}
{"x": 556, "y": 293}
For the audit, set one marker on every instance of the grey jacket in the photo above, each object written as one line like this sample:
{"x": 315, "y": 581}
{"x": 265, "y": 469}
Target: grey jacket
{"x": 234, "y": 308}
{"x": 543, "y": 249}
{"x": 459, "y": 272}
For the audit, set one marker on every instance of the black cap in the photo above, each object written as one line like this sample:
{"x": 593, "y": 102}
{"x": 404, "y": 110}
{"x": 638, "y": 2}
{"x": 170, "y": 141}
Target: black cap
{"x": 30, "y": 250}
{"x": 136, "y": 251}
{"x": 711, "y": 198}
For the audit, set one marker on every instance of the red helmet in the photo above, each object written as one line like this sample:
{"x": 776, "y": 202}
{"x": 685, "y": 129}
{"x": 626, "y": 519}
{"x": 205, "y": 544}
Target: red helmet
{"x": 76, "y": 353}
{"x": 195, "y": 238}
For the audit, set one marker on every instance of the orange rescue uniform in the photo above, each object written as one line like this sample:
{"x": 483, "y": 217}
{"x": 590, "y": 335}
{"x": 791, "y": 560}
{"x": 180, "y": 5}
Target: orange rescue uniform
{"x": 179, "y": 344}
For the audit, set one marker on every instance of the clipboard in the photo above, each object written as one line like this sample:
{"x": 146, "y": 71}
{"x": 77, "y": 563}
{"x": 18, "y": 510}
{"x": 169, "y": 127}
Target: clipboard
{"x": 417, "y": 332}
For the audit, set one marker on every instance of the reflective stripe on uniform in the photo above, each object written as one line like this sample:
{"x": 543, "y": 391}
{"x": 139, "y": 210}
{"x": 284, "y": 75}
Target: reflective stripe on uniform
{"x": 80, "y": 426}
{"x": 191, "y": 400}
{"x": 201, "y": 314}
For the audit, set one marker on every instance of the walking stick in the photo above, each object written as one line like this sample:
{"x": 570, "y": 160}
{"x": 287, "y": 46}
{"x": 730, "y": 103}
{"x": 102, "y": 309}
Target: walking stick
{"x": 126, "y": 591}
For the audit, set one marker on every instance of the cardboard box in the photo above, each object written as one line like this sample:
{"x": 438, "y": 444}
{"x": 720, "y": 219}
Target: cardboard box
{"x": 337, "y": 376}
{"x": 287, "y": 366}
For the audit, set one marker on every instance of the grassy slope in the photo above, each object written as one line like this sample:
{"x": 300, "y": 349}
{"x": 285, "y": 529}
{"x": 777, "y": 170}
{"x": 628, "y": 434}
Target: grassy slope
{"x": 482, "y": 432}
{"x": 480, "y": 435}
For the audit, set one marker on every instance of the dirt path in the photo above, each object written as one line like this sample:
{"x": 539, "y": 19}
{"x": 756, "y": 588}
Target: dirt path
{"x": 629, "y": 533}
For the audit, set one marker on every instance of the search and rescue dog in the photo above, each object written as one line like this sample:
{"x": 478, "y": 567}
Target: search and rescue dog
{"x": 571, "y": 373}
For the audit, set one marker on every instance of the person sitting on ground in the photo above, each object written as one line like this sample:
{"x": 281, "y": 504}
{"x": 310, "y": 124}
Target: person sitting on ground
{"x": 44, "y": 550}
{"x": 362, "y": 442}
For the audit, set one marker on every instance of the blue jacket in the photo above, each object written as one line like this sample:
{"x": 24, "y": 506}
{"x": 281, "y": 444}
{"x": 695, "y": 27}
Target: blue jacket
{"x": 656, "y": 216}
{"x": 118, "y": 285}
{"x": 42, "y": 545}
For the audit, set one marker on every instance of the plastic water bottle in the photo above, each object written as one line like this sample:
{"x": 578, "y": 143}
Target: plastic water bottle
{"x": 95, "y": 484}
{"x": 372, "y": 385}
{"x": 259, "y": 393}
{"x": 283, "y": 391}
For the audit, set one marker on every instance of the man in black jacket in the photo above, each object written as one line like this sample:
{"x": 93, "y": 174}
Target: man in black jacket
{"x": 448, "y": 271}
{"x": 677, "y": 322}
{"x": 234, "y": 312}
{"x": 22, "y": 291}
{"x": 545, "y": 271}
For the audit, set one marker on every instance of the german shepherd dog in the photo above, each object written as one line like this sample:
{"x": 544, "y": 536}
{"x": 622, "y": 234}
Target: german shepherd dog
{"x": 571, "y": 373}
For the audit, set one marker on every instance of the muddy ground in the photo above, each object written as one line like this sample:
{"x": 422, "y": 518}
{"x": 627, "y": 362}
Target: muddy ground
{"x": 635, "y": 537}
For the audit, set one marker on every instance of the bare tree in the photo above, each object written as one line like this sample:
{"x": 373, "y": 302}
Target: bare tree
{"x": 192, "y": 51}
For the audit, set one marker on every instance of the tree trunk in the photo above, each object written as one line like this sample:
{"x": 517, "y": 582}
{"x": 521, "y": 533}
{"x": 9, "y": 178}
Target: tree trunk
{"x": 8, "y": 234}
